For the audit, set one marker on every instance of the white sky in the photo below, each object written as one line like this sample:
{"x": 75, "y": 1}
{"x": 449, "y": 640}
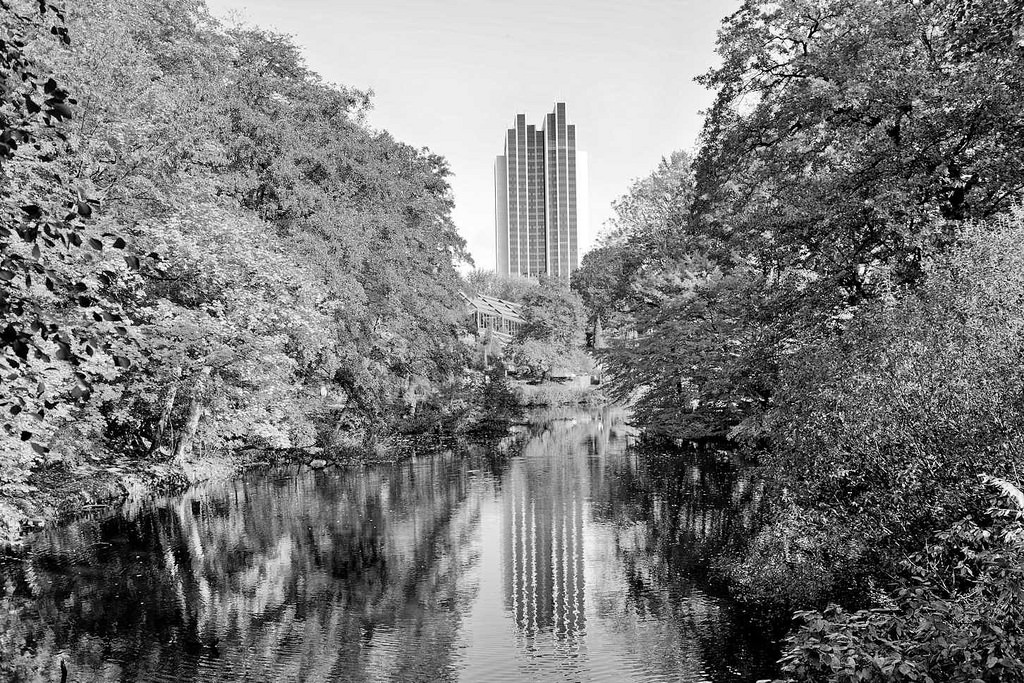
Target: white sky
{"x": 451, "y": 75}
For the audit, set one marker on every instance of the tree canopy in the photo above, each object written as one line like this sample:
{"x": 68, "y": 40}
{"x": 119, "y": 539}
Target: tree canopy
{"x": 204, "y": 244}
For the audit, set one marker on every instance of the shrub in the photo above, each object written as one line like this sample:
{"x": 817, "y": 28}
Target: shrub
{"x": 882, "y": 423}
{"x": 958, "y": 618}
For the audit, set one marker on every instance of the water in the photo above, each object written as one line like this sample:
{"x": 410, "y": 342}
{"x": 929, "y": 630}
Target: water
{"x": 554, "y": 555}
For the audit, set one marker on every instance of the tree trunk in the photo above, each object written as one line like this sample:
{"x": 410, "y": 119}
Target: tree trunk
{"x": 165, "y": 415}
{"x": 195, "y": 413}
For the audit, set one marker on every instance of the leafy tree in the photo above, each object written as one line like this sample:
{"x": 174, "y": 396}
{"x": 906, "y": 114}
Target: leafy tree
{"x": 851, "y": 136}
{"x": 371, "y": 213}
{"x": 653, "y": 203}
{"x": 216, "y": 251}
{"x": 603, "y": 281}
{"x": 676, "y": 311}
{"x": 488, "y": 283}
{"x": 552, "y": 333}
{"x": 882, "y": 429}
{"x": 63, "y": 330}
{"x": 649, "y": 224}
{"x": 849, "y": 142}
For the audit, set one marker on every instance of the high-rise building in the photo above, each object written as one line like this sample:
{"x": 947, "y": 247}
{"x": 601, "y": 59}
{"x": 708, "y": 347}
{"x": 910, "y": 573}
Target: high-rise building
{"x": 540, "y": 198}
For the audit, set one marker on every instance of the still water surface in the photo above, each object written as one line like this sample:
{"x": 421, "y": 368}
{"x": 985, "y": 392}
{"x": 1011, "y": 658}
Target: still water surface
{"x": 556, "y": 554}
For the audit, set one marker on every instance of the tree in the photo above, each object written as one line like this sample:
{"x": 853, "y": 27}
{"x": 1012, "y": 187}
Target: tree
{"x": 508, "y": 287}
{"x": 215, "y": 252}
{"x": 63, "y": 331}
{"x": 848, "y": 137}
{"x": 849, "y": 142}
{"x": 552, "y": 333}
{"x": 653, "y": 203}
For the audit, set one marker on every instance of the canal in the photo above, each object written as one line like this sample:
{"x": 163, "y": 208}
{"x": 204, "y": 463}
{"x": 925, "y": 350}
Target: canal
{"x": 556, "y": 553}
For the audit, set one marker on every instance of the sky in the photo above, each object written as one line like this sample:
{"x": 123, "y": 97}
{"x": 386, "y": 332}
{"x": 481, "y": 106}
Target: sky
{"x": 452, "y": 74}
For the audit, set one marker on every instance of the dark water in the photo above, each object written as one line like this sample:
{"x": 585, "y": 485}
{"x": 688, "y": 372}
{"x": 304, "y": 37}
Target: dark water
{"x": 555, "y": 555}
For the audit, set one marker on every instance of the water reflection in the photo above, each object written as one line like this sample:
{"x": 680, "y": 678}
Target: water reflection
{"x": 542, "y": 521}
{"x": 570, "y": 558}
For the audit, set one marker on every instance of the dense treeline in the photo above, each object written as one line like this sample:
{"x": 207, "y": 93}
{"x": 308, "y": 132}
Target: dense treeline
{"x": 204, "y": 246}
{"x": 835, "y": 280}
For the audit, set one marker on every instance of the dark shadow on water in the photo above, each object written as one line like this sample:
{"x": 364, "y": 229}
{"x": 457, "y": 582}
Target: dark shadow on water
{"x": 554, "y": 552}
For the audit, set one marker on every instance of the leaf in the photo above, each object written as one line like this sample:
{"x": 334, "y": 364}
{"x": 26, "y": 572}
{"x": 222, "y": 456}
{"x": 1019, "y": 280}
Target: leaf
{"x": 1009, "y": 490}
{"x": 61, "y": 110}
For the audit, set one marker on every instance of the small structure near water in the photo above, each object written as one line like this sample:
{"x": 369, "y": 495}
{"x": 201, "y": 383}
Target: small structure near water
{"x": 502, "y": 318}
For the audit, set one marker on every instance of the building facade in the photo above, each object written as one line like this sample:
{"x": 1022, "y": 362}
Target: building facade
{"x": 540, "y": 198}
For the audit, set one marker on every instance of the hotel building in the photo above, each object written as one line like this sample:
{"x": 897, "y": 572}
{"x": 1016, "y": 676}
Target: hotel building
{"x": 540, "y": 198}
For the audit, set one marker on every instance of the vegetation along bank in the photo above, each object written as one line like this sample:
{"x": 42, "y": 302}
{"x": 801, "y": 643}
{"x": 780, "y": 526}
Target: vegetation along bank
{"x": 206, "y": 251}
{"x": 835, "y": 282}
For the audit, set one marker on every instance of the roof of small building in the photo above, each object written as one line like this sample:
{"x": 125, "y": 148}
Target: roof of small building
{"x": 489, "y": 305}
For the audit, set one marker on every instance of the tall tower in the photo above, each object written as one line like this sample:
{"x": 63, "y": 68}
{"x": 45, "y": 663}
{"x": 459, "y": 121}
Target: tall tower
{"x": 540, "y": 198}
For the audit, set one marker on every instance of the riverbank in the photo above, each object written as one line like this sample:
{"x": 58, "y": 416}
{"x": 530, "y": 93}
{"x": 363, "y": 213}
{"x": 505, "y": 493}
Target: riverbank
{"x": 59, "y": 490}
{"x": 57, "y": 493}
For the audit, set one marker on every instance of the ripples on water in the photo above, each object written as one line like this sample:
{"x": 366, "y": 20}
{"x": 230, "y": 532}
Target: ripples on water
{"x": 553, "y": 555}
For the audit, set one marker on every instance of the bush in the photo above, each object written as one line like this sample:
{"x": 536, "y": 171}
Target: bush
{"x": 795, "y": 561}
{"x": 958, "y": 618}
{"x": 882, "y": 424}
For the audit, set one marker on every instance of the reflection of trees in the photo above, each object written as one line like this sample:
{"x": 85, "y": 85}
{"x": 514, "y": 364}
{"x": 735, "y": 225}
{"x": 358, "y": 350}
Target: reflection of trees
{"x": 327, "y": 576}
{"x": 663, "y": 516}
{"x": 364, "y": 575}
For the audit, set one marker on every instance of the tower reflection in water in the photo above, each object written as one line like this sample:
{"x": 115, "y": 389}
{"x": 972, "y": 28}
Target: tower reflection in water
{"x": 542, "y": 536}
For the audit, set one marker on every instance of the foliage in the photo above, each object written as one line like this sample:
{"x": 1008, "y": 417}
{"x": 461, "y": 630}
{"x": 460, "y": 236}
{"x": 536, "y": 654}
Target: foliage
{"x": 488, "y": 283}
{"x": 835, "y": 281}
{"x": 675, "y": 314}
{"x": 848, "y": 144}
{"x": 884, "y": 423}
{"x": 659, "y": 200}
{"x": 851, "y": 135}
{"x": 62, "y": 329}
{"x": 646, "y": 227}
{"x": 214, "y": 251}
{"x": 959, "y": 617}
{"x": 551, "y": 337}
{"x": 683, "y": 363}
